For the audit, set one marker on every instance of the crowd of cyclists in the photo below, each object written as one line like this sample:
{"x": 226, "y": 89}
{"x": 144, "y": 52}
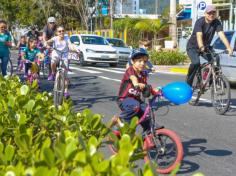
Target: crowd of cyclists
{"x": 35, "y": 48}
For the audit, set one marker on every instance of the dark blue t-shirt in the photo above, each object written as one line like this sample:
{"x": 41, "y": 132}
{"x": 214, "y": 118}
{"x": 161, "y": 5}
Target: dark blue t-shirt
{"x": 208, "y": 30}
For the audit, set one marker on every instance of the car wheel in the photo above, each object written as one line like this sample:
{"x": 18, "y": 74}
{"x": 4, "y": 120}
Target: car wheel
{"x": 113, "y": 64}
{"x": 82, "y": 62}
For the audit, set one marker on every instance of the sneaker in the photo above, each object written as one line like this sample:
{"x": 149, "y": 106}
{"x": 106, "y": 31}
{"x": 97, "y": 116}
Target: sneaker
{"x": 51, "y": 77}
{"x": 66, "y": 95}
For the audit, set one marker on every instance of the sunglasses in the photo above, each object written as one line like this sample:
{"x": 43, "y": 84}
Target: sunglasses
{"x": 211, "y": 13}
{"x": 3, "y": 27}
{"x": 51, "y": 23}
{"x": 60, "y": 31}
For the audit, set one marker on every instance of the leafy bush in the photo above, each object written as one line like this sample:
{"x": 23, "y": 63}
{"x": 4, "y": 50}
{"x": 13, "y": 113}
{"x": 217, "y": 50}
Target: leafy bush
{"x": 38, "y": 139}
{"x": 167, "y": 57}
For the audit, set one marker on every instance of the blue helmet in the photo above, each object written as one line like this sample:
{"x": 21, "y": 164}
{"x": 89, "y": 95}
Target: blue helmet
{"x": 138, "y": 52}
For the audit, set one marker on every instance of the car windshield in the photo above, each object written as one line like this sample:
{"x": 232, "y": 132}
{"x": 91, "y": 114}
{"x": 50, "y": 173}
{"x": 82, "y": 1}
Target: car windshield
{"x": 117, "y": 42}
{"x": 94, "y": 40}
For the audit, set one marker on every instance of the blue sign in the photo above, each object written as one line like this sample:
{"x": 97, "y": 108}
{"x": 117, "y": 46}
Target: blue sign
{"x": 202, "y": 5}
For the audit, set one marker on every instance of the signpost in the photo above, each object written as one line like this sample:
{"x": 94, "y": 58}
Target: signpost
{"x": 198, "y": 9}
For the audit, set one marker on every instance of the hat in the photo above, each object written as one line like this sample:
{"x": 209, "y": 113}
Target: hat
{"x": 51, "y": 20}
{"x": 138, "y": 52}
{"x": 210, "y": 8}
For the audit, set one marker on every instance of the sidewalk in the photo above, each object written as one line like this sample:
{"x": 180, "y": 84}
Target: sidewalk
{"x": 178, "y": 69}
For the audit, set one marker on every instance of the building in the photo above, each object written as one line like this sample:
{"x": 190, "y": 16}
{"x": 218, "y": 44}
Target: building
{"x": 154, "y": 6}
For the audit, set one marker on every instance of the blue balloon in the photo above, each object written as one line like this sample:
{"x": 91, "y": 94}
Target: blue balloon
{"x": 177, "y": 92}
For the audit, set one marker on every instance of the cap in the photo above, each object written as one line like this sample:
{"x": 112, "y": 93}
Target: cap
{"x": 210, "y": 8}
{"x": 138, "y": 52}
{"x": 51, "y": 20}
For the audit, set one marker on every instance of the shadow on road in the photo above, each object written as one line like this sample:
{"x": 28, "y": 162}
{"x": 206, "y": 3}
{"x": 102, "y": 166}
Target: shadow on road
{"x": 195, "y": 147}
{"x": 88, "y": 102}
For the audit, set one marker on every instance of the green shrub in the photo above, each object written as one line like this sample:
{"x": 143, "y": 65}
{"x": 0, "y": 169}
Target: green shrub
{"x": 167, "y": 57}
{"x": 37, "y": 139}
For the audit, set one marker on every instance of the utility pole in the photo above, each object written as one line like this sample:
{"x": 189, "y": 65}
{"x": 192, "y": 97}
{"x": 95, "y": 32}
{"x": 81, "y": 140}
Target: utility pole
{"x": 173, "y": 28}
{"x": 111, "y": 14}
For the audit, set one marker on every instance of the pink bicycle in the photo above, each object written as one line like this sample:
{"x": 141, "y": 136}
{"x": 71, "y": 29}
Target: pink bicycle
{"x": 162, "y": 146}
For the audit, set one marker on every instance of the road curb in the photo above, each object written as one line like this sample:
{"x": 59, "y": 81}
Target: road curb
{"x": 179, "y": 70}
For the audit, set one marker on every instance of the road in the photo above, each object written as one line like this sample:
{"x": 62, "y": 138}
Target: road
{"x": 209, "y": 140}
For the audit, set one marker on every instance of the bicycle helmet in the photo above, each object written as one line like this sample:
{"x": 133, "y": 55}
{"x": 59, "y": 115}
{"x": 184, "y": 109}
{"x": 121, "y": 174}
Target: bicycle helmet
{"x": 138, "y": 52}
{"x": 51, "y": 20}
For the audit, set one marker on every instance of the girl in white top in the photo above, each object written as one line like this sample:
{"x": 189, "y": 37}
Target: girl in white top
{"x": 60, "y": 44}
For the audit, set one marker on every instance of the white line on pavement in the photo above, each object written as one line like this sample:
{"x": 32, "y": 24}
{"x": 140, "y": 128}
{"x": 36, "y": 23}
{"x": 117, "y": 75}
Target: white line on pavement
{"x": 121, "y": 69}
{"x": 104, "y": 77}
{"x": 107, "y": 70}
{"x": 209, "y": 101}
{"x": 85, "y": 70}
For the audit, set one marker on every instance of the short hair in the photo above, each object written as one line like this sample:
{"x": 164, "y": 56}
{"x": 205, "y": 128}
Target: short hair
{"x": 3, "y": 21}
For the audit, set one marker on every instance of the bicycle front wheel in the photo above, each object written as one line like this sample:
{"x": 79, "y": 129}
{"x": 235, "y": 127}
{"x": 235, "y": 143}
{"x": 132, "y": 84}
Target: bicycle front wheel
{"x": 220, "y": 95}
{"x": 167, "y": 152}
{"x": 59, "y": 88}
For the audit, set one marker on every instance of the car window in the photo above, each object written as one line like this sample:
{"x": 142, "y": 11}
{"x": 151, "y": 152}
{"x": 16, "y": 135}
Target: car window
{"x": 219, "y": 44}
{"x": 94, "y": 40}
{"x": 75, "y": 39}
{"x": 116, "y": 42}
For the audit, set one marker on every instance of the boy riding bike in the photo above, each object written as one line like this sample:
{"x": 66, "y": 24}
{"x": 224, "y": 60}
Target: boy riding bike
{"x": 133, "y": 84}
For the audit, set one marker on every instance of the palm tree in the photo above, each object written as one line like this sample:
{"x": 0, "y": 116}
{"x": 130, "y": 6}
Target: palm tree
{"x": 151, "y": 25}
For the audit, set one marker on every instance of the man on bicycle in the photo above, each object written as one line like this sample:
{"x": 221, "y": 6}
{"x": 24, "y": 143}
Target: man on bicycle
{"x": 203, "y": 32}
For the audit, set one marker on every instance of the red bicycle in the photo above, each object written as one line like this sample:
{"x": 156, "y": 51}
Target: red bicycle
{"x": 162, "y": 146}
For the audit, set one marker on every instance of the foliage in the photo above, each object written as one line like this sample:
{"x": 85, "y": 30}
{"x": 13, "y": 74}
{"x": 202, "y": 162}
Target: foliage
{"x": 167, "y": 57}
{"x": 38, "y": 139}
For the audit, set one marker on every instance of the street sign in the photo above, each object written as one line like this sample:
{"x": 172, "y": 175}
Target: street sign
{"x": 201, "y": 7}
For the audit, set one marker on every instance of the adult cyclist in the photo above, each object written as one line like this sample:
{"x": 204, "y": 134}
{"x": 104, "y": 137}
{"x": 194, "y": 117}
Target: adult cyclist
{"x": 48, "y": 32}
{"x": 203, "y": 32}
{"x": 60, "y": 44}
{"x": 5, "y": 44}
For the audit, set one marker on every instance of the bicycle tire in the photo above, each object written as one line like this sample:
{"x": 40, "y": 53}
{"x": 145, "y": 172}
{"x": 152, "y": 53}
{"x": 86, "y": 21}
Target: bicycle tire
{"x": 59, "y": 88}
{"x": 9, "y": 68}
{"x": 162, "y": 150}
{"x": 196, "y": 86}
{"x": 222, "y": 88}
{"x": 112, "y": 145}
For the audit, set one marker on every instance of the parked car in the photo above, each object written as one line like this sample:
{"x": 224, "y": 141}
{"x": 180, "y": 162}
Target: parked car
{"x": 123, "y": 50}
{"x": 228, "y": 63}
{"x": 94, "y": 49}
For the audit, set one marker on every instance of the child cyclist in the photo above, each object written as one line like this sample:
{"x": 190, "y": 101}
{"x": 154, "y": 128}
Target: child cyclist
{"x": 21, "y": 45}
{"x": 133, "y": 84}
{"x": 31, "y": 53}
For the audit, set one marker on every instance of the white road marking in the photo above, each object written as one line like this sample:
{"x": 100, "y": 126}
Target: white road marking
{"x": 85, "y": 70}
{"x": 107, "y": 70}
{"x": 209, "y": 101}
{"x": 121, "y": 69}
{"x": 104, "y": 77}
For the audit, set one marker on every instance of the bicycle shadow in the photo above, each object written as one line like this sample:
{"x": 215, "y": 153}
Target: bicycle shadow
{"x": 195, "y": 147}
{"x": 83, "y": 103}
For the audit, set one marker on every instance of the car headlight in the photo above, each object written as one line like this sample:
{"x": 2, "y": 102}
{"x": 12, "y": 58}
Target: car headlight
{"x": 90, "y": 51}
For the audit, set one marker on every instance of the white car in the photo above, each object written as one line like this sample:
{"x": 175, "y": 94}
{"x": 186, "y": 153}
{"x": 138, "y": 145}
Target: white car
{"x": 94, "y": 49}
{"x": 123, "y": 50}
{"x": 228, "y": 64}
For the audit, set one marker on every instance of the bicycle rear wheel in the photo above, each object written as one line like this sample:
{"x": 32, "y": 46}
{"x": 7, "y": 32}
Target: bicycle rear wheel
{"x": 220, "y": 95}
{"x": 59, "y": 88}
{"x": 196, "y": 86}
{"x": 9, "y": 68}
{"x": 167, "y": 152}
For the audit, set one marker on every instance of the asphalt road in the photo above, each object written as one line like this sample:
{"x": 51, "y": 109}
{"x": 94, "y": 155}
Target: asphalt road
{"x": 209, "y": 140}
